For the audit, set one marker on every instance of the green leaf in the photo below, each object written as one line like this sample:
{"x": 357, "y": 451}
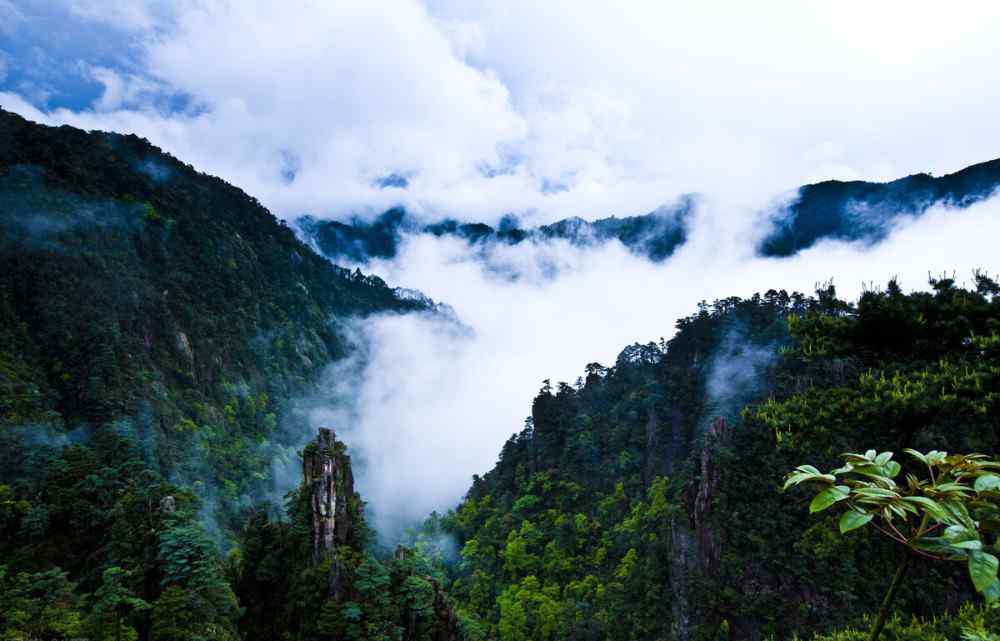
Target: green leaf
{"x": 953, "y": 487}
{"x": 936, "y": 545}
{"x": 883, "y": 458}
{"x": 892, "y": 469}
{"x": 935, "y": 457}
{"x": 853, "y": 520}
{"x": 956, "y": 533}
{"x": 828, "y": 497}
{"x": 992, "y": 593}
{"x": 930, "y": 505}
{"x": 959, "y": 514}
{"x": 971, "y": 544}
{"x": 987, "y": 483}
{"x": 877, "y": 492}
{"x": 805, "y": 473}
{"x": 982, "y": 569}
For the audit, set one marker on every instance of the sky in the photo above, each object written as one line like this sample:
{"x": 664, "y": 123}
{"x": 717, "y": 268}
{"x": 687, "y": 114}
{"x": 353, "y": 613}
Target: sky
{"x": 543, "y": 109}
{"x": 546, "y": 110}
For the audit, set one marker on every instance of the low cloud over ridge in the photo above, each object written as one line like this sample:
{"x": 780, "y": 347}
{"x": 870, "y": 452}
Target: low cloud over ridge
{"x": 433, "y": 400}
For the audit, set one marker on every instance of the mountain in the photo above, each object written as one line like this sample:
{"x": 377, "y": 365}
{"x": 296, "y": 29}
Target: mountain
{"x": 135, "y": 289}
{"x": 645, "y": 501}
{"x": 156, "y": 326}
{"x": 655, "y": 235}
{"x": 864, "y": 211}
{"x": 835, "y": 210}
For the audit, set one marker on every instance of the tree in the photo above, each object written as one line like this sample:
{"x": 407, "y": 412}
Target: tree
{"x": 42, "y": 605}
{"x": 113, "y": 602}
{"x": 952, "y": 514}
{"x": 196, "y": 603}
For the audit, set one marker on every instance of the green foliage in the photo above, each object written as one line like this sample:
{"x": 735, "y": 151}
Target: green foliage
{"x": 596, "y": 505}
{"x": 957, "y": 502}
{"x": 153, "y": 331}
{"x": 970, "y": 623}
{"x": 113, "y": 604}
{"x": 39, "y": 605}
{"x": 152, "y": 327}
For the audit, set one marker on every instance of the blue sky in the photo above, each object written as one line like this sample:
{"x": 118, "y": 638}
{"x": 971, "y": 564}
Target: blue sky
{"x": 48, "y": 53}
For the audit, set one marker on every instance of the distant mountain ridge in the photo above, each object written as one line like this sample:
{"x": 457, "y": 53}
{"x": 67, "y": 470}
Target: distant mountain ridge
{"x": 859, "y": 210}
{"x": 655, "y": 235}
{"x": 836, "y": 210}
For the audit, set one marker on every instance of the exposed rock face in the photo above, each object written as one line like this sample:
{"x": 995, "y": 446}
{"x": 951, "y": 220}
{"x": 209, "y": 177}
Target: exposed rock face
{"x": 184, "y": 346}
{"x": 168, "y": 504}
{"x": 448, "y": 628}
{"x": 326, "y": 471}
{"x": 710, "y": 538}
{"x": 696, "y": 538}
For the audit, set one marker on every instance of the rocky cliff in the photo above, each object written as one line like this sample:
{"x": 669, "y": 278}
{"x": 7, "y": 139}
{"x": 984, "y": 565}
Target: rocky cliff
{"x": 327, "y": 476}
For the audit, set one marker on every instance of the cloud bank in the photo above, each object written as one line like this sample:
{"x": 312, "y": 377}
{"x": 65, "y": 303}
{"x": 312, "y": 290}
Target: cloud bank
{"x": 430, "y": 401}
{"x": 546, "y": 110}
{"x": 474, "y": 110}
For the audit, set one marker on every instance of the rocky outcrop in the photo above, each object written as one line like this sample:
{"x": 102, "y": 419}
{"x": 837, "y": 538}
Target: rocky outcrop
{"x": 326, "y": 472}
{"x": 696, "y": 538}
{"x": 710, "y": 539}
{"x": 448, "y": 627}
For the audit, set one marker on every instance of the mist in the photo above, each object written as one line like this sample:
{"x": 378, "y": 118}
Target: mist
{"x": 473, "y": 113}
{"x": 428, "y": 400}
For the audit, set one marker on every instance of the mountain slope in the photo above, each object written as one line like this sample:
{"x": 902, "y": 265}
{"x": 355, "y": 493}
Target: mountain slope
{"x": 864, "y": 210}
{"x": 156, "y": 325}
{"x": 848, "y": 211}
{"x": 646, "y": 503}
{"x": 133, "y": 287}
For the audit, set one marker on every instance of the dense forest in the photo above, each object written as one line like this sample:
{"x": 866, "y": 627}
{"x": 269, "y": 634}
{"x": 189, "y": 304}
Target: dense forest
{"x": 157, "y": 325}
{"x": 645, "y": 502}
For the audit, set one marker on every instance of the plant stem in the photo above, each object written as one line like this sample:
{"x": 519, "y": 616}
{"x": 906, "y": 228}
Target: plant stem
{"x": 883, "y": 611}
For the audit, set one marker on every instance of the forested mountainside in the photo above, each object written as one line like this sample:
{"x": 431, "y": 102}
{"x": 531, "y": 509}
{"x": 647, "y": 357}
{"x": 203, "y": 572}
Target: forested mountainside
{"x": 155, "y": 325}
{"x": 645, "y": 502}
{"x": 859, "y": 210}
{"x": 849, "y": 211}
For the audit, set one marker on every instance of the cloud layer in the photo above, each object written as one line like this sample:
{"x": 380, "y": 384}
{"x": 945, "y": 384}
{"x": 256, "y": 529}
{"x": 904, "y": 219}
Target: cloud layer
{"x": 548, "y": 110}
{"x": 430, "y": 402}
{"x": 543, "y": 109}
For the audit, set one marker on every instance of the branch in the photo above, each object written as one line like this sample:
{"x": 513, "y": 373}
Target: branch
{"x": 891, "y": 535}
{"x": 922, "y": 553}
{"x": 898, "y": 533}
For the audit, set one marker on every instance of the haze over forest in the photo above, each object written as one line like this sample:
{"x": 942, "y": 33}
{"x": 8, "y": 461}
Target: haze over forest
{"x": 542, "y": 267}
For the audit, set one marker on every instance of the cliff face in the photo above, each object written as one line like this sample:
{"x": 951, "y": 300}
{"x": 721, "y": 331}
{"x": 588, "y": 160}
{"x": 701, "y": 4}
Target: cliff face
{"x": 326, "y": 473}
{"x": 419, "y": 604}
{"x": 695, "y": 535}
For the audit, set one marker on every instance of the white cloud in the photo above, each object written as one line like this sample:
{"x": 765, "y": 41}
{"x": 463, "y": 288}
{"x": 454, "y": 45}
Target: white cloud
{"x": 624, "y": 105}
{"x": 10, "y": 16}
{"x": 435, "y": 404}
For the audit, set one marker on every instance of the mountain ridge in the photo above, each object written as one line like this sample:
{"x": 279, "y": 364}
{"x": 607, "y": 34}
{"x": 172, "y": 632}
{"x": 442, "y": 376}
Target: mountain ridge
{"x": 853, "y": 211}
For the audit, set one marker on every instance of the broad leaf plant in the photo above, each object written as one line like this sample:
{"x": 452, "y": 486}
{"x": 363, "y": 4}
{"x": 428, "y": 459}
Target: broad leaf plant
{"x": 948, "y": 511}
